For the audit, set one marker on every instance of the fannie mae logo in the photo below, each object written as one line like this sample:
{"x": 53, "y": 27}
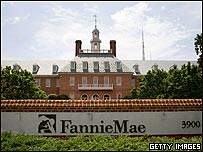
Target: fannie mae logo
{"x": 47, "y": 123}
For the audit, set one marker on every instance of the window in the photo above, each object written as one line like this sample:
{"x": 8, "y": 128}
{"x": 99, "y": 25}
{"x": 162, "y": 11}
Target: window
{"x": 95, "y": 97}
{"x": 72, "y": 65}
{"x": 48, "y": 83}
{"x": 57, "y": 82}
{"x": 72, "y": 81}
{"x": 136, "y": 69}
{"x": 155, "y": 67}
{"x": 174, "y": 66}
{"x": 55, "y": 69}
{"x": 106, "y": 80}
{"x": 118, "y": 81}
{"x": 38, "y": 82}
{"x": 106, "y": 97}
{"x": 35, "y": 69}
{"x": 133, "y": 83}
{"x": 84, "y": 80}
{"x": 96, "y": 65}
{"x": 95, "y": 46}
{"x": 106, "y": 65}
{"x": 85, "y": 65}
{"x": 84, "y": 97}
{"x": 95, "y": 80}
{"x": 118, "y": 65}
{"x": 119, "y": 96}
{"x": 72, "y": 96}
{"x": 16, "y": 67}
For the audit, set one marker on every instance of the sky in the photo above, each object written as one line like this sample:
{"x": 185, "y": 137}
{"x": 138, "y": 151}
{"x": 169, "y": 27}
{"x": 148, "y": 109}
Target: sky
{"x": 48, "y": 30}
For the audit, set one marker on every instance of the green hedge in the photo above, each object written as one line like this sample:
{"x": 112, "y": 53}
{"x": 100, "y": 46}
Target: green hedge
{"x": 59, "y": 97}
{"x": 23, "y": 142}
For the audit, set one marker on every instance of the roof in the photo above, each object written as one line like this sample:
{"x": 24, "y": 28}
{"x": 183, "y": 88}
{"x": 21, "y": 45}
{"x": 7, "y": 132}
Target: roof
{"x": 145, "y": 65}
{"x": 64, "y": 65}
{"x": 46, "y": 66}
{"x": 101, "y": 59}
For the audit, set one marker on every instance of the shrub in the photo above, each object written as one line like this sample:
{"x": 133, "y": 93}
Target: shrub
{"x": 63, "y": 96}
{"x": 52, "y": 96}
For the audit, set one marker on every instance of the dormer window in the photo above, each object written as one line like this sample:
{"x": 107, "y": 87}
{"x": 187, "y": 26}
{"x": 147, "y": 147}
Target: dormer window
{"x": 106, "y": 65}
{"x": 84, "y": 65}
{"x": 72, "y": 64}
{"x": 118, "y": 64}
{"x": 96, "y": 65}
{"x": 55, "y": 69}
{"x": 155, "y": 67}
{"x": 35, "y": 69}
{"x": 136, "y": 69}
{"x": 174, "y": 66}
{"x": 16, "y": 67}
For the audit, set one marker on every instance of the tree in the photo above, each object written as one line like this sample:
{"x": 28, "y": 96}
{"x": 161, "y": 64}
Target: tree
{"x": 184, "y": 83}
{"x": 152, "y": 85}
{"x": 19, "y": 84}
{"x": 176, "y": 83}
{"x": 198, "y": 48}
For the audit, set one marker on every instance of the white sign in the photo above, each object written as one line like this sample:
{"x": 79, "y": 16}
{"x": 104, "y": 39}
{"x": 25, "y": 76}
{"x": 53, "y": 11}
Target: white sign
{"x": 111, "y": 123}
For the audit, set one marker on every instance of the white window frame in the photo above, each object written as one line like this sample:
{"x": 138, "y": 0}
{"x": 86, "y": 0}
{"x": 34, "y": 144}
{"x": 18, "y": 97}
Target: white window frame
{"x": 95, "y": 98}
{"x": 85, "y": 65}
{"x": 72, "y": 81}
{"x": 48, "y": 83}
{"x": 118, "y": 81}
{"x": 35, "y": 68}
{"x": 133, "y": 83}
{"x": 106, "y": 65}
{"x": 108, "y": 98}
{"x": 16, "y": 67}
{"x": 72, "y": 64}
{"x": 84, "y": 80}
{"x": 95, "y": 79}
{"x": 106, "y": 80}
{"x": 96, "y": 65}
{"x": 84, "y": 98}
{"x": 55, "y": 69}
{"x": 38, "y": 82}
{"x": 57, "y": 82}
{"x": 118, "y": 64}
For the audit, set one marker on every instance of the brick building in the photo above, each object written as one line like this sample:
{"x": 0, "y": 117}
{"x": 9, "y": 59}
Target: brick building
{"x": 93, "y": 73}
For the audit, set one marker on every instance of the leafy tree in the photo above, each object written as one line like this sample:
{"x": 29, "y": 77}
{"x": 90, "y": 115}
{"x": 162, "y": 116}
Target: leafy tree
{"x": 184, "y": 83}
{"x": 152, "y": 85}
{"x": 134, "y": 93}
{"x": 19, "y": 84}
{"x": 198, "y": 48}
{"x": 177, "y": 83}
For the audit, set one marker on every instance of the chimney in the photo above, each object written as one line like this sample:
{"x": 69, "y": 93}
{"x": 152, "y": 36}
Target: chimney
{"x": 113, "y": 47}
{"x": 78, "y": 44}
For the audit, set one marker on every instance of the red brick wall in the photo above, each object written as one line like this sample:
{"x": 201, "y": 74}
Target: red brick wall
{"x": 124, "y": 89}
{"x": 49, "y": 90}
{"x": 136, "y": 105}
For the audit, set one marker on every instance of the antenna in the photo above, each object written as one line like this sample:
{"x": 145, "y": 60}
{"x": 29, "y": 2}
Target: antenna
{"x": 95, "y": 20}
{"x": 143, "y": 54}
{"x": 150, "y": 55}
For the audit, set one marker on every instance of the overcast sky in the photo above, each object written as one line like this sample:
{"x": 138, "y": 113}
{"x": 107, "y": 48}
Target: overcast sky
{"x": 48, "y": 30}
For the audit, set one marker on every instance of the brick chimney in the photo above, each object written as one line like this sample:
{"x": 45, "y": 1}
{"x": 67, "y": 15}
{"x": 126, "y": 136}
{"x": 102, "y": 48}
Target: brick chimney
{"x": 113, "y": 47}
{"x": 78, "y": 44}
